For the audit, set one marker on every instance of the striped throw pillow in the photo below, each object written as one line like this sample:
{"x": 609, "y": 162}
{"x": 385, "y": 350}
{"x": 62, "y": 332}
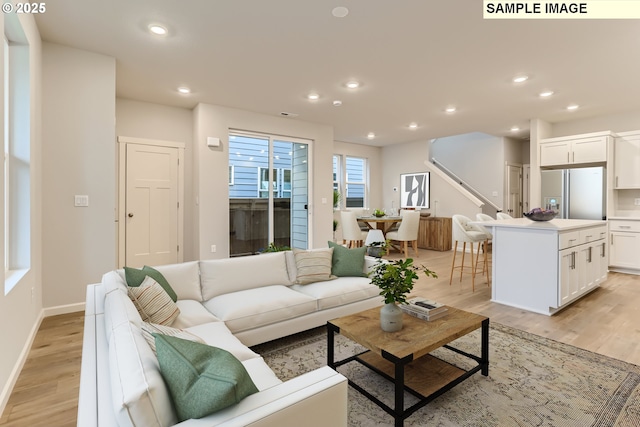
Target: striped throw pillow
{"x": 313, "y": 265}
{"x": 153, "y": 303}
{"x": 153, "y": 328}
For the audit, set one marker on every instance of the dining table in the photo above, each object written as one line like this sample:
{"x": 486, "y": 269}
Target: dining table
{"x": 384, "y": 223}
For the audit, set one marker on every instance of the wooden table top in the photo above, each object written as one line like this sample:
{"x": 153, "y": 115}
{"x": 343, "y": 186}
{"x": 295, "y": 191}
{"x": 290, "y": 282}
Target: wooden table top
{"x": 417, "y": 337}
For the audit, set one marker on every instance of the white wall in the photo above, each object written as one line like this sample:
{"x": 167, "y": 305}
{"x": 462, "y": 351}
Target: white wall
{"x": 411, "y": 157}
{"x": 211, "y": 189}
{"x": 21, "y": 309}
{"x": 154, "y": 121}
{"x": 622, "y": 122}
{"x": 469, "y": 155}
{"x": 79, "y": 153}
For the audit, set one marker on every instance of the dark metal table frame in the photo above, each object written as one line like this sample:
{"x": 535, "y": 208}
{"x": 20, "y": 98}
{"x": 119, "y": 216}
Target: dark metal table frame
{"x": 399, "y": 412}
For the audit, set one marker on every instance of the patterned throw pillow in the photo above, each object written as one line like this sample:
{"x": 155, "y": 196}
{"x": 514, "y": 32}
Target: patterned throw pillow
{"x": 135, "y": 278}
{"x": 313, "y": 265}
{"x": 152, "y": 328}
{"x": 153, "y": 303}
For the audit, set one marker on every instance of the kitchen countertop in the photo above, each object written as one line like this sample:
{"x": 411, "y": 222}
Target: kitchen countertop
{"x": 554, "y": 224}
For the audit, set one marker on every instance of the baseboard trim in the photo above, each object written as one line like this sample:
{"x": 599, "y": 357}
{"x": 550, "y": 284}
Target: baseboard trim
{"x": 13, "y": 378}
{"x": 63, "y": 309}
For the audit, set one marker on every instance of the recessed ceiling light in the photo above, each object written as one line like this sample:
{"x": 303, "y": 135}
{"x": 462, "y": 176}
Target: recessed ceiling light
{"x": 413, "y": 125}
{"x": 158, "y": 30}
{"x": 515, "y": 129}
{"x": 340, "y": 12}
{"x": 337, "y": 103}
{"x": 313, "y": 96}
{"x": 546, "y": 93}
{"x": 353, "y": 84}
{"x": 573, "y": 107}
{"x": 520, "y": 79}
{"x": 371, "y": 135}
{"x": 450, "y": 109}
{"x": 184, "y": 90}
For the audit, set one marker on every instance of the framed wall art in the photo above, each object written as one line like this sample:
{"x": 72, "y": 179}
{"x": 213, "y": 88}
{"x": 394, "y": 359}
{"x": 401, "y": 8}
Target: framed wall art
{"x": 414, "y": 190}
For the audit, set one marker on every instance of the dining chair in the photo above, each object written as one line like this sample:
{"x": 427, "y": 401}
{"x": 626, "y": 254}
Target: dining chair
{"x": 465, "y": 232}
{"x": 407, "y": 232}
{"x": 502, "y": 215}
{"x": 351, "y": 232}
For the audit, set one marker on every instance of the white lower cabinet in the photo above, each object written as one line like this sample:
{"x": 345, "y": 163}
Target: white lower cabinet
{"x": 624, "y": 244}
{"x": 582, "y": 266}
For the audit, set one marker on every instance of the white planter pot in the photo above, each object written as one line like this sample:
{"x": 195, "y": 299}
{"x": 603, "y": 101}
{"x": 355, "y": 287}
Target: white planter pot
{"x": 390, "y": 318}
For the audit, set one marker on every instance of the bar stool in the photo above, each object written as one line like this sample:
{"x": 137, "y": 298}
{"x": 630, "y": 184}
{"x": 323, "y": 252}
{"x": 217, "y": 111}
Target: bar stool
{"x": 502, "y": 215}
{"x": 489, "y": 242}
{"x": 465, "y": 232}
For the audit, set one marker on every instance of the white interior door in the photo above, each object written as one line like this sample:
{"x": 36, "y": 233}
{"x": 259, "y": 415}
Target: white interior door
{"x": 151, "y": 205}
{"x": 514, "y": 191}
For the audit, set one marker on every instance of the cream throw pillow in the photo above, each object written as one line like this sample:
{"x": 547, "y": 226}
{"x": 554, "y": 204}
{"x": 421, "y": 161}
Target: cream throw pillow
{"x": 153, "y": 303}
{"x": 313, "y": 265}
{"x": 153, "y": 328}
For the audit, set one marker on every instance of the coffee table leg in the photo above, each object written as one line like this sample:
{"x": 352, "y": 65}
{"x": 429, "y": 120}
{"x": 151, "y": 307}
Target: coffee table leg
{"x": 331, "y": 330}
{"x": 399, "y": 408}
{"x": 484, "y": 362}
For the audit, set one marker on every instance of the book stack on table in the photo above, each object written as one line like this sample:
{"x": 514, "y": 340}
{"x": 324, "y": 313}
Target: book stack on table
{"x": 424, "y": 309}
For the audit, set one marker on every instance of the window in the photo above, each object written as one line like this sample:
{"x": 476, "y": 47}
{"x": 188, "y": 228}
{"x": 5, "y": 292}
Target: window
{"x": 350, "y": 178}
{"x": 17, "y": 154}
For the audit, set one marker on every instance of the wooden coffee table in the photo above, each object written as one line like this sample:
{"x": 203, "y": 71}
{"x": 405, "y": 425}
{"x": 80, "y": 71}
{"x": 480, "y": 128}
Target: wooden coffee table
{"x": 403, "y": 357}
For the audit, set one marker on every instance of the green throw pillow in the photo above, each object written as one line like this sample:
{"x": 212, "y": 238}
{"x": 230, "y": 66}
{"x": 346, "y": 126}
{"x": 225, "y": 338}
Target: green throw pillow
{"x": 347, "y": 262}
{"x": 201, "y": 379}
{"x": 135, "y": 278}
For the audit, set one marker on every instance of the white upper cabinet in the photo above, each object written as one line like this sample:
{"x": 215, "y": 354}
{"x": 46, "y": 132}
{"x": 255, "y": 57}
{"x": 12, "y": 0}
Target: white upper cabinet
{"x": 574, "y": 150}
{"x": 627, "y": 160}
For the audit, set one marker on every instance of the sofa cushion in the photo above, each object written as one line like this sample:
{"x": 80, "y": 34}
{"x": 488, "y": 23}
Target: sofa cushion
{"x": 261, "y": 374}
{"x": 192, "y": 313}
{"x": 138, "y": 393}
{"x": 148, "y": 329}
{"x": 201, "y": 379}
{"x": 153, "y": 303}
{"x": 222, "y": 276}
{"x": 119, "y": 309}
{"x": 260, "y": 306}
{"x": 313, "y": 265}
{"x": 347, "y": 262}
{"x": 341, "y": 291}
{"x": 136, "y": 277}
{"x": 113, "y": 281}
{"x": 184, "y": 278}
{"x": 218, "y": 335}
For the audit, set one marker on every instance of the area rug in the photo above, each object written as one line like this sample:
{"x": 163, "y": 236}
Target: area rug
{"x": 533, "y": 381}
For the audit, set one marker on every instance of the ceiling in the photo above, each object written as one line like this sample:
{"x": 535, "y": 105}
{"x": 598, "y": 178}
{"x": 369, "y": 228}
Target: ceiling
{"x": 413, "y": 58}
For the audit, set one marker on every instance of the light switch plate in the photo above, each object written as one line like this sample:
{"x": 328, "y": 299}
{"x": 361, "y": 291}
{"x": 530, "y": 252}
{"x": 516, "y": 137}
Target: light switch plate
{"x": 636, "y": 202}
{"x": 81, "y": 200}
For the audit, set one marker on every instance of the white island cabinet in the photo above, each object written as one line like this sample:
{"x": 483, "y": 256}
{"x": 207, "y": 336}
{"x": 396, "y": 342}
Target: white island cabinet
{"x": 543, "y": 266}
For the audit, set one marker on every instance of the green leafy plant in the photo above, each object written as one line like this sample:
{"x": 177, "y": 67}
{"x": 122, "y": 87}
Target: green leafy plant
{"x": 396, "y": 278}
{"x": 276, "y": 248}
{"x": 336, "y": 199}
{"x": 335, "y": 225}
{"x": 378, "y": 213}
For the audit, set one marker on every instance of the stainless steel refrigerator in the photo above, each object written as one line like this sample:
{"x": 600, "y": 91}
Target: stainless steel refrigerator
{"x": 577, "y": 193}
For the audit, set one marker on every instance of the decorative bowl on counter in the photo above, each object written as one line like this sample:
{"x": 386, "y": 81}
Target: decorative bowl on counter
{"x": 378, "y": 213}
{"x": 540, "y": 214}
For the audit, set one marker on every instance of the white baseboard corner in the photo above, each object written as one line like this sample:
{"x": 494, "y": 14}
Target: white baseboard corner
{"x": 15, "y": 373}
{"x": 63, "y": 309}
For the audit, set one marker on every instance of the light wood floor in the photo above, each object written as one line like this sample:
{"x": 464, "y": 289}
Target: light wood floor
{"x": 607, "y": 321}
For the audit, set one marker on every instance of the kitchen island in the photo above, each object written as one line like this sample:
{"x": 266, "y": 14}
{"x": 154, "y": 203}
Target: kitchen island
{"x": 544, "y": 266}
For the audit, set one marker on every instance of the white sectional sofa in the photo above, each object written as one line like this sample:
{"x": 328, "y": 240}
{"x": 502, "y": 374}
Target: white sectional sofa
{"x": 231, "y": 304}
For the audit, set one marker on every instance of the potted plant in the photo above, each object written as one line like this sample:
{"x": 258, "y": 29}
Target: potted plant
{"x": 275, "y": 248}
{"x": 377, "y": 249}
{"x": 395, "y": 280}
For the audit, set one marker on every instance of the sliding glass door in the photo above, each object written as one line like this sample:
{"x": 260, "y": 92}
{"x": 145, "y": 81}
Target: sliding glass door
{"x": 268, "y": 192}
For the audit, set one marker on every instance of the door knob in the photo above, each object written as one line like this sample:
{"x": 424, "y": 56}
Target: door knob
{"x": 130, "y": 215}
